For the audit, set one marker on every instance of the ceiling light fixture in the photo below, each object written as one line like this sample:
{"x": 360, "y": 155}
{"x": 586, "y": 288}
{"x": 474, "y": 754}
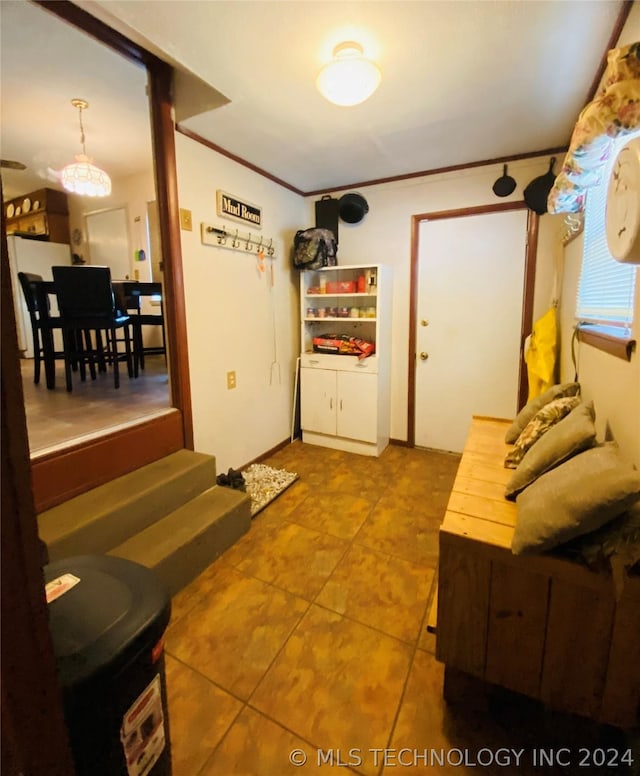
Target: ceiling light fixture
{"x": 82, "y": 176}
{"x": 350, "y": 78}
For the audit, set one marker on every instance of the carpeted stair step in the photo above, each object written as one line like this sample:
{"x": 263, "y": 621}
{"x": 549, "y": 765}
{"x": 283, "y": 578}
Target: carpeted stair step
{"x": 184, "y": 543}
{"x": 105, "y": 517}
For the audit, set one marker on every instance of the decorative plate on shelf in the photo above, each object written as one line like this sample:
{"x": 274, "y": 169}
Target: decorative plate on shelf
{"x": 36, "y": 204}
{"x": 18, "y": 211}
{"x": 10, "y": 210}
{"x": 26, "y": 205}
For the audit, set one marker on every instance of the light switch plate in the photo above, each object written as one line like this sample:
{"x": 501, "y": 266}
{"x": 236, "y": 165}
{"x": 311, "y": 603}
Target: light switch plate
{"x": 185, "y": 220}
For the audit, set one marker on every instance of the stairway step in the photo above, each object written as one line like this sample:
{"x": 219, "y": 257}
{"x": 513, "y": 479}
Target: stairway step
{"x": 184, "y": 543}
{"x": 97, "y": 521}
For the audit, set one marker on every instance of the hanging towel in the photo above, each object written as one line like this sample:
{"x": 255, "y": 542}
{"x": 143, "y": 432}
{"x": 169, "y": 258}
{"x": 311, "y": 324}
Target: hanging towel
{"x": 541, "y": 356}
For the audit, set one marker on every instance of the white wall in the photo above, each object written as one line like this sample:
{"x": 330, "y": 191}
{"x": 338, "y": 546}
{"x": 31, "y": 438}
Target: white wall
{"x": 384, "y": 236}
{"x": 231, "y": 309}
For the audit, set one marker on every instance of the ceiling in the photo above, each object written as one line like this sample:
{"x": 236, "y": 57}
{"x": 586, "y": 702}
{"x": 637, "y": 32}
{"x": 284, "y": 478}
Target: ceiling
{"x": 462, "y": 82}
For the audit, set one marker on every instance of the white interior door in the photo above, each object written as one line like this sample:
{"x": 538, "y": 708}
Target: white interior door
{"x": 108, "y": 240}
{"x": 470, "y": 289}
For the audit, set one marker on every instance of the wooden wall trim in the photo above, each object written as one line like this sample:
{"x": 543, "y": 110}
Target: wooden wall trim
{"x": 440, "y": 170}
{"x": 34, "y": 736}
{"x": 526, "y": 324}
{"x": 91, "y": 464}
{"x": 82, "y": 19}
{"x": 161, "y": 76}
{"x": 611, "y": 43}
{"x": 413, "y": 289}
{"x": 238, "y": 159}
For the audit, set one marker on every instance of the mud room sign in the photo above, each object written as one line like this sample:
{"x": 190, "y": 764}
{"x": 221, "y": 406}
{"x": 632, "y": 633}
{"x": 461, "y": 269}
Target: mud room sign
{"x": 229, "y": 206}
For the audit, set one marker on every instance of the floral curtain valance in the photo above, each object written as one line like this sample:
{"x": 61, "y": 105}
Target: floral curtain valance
{"x": 615, "y": 111}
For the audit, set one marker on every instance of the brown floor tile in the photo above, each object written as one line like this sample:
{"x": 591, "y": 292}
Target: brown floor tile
{"x": 233, "y": 633}
{"x": 431, "y": 504}
{"x": 294, "y": 558}
{"x": 338, "y": 514}
{"x": 336, "y": 683}
{"x": 199, "y": 715}
{"x": 384, "y": 592}
{"x": 256, "y": 746}
{"x": 407, "y": 535}
{"x": 189, "y": 596}
{"x": 287, "y": 502}
{"x": 423, "y": 718}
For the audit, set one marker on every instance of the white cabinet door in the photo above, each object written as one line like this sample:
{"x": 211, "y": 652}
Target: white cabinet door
{"x": 358, "y": 406}
{"x": 318, "y": 400}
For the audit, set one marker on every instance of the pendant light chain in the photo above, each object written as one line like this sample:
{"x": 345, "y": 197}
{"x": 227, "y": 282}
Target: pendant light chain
{"x": 82, "y": 139}
{"x": 82, "y": 176}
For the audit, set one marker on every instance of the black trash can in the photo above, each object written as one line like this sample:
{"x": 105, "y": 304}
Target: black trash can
{"x": 107, "y": 630}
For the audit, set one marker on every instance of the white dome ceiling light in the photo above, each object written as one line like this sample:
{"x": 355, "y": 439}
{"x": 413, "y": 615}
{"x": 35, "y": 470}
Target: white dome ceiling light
{"x": 350, "y": 78}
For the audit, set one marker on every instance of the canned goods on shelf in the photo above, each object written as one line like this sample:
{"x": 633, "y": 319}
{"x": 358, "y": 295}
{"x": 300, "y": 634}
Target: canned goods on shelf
{"x": 343, "y": 312}
{"x": 312, "y": 312}
{"x": 322, "y": 312}
{"x": 354, "y": 312}
{"x": 332, "y": 312}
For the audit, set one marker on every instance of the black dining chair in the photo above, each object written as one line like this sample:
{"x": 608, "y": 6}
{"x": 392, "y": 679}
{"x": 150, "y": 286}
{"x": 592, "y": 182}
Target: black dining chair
{"x": 87, "y": 310}
{"x": 129, "y": 296}
{"x": 42, "y": 325}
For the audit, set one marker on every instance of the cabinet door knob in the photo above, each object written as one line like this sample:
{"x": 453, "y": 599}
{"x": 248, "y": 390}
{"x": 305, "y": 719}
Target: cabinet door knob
{"x": 424, "y": 322}
{"x": 424, "y": 356}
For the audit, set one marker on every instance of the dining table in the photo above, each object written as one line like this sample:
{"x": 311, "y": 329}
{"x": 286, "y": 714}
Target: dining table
{"x": 46, "y": 289}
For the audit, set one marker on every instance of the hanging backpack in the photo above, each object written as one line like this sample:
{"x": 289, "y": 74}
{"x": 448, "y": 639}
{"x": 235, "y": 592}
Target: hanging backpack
{"x": 314, "y": 248}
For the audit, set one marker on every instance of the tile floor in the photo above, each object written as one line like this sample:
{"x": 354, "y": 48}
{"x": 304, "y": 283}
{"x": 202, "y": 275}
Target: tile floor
{"x": 309, "y": 637}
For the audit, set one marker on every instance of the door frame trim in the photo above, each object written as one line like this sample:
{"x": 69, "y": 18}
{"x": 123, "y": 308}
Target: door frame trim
{"x": 527, "y": 296}
{"x": 49, "y": 488}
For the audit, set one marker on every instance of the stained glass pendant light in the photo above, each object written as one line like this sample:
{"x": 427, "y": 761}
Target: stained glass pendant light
{"x": 350, "y": 78}
{"x": 82, "y": 176}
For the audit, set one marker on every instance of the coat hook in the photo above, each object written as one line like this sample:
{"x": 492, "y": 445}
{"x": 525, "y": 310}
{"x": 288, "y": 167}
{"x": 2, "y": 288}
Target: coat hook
{"x": 270, "y": 248}
{"x": 259, "y": 246}
{"x": 248, "y": 246}
{"x": 222, "y": 239}
{"x": 235, "y": 243}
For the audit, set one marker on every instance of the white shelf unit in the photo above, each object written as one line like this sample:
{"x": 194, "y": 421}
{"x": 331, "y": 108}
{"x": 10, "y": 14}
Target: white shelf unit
{"x": 344, "y": 400}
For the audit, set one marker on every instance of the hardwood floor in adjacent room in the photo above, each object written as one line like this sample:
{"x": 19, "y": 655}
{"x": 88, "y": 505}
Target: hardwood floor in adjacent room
{"x": 56, "y": 418}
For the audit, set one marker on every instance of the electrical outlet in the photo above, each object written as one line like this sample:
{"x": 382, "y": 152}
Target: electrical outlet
{"x": 231, "y": 380}
{"x": 185, "y": 220}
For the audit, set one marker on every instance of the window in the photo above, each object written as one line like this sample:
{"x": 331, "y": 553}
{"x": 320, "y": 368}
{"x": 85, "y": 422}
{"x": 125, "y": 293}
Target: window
{"x": 606, "y": 291}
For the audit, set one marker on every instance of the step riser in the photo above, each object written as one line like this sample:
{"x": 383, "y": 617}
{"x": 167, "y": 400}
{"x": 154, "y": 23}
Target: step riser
{"x": 184, "y": 565}
{"x": 111, "y": 528}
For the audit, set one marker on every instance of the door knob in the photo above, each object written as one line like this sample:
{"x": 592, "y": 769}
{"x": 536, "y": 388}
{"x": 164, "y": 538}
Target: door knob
{"x": 424, "y": 356}
{"x": 424, "y": 322}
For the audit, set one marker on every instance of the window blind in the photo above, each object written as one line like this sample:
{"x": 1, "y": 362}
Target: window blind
{"x": 607, "y": 287}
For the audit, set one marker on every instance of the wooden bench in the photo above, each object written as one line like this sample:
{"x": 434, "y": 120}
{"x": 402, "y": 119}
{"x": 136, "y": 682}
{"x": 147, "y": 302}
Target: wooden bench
{"x": 539, "y": 625}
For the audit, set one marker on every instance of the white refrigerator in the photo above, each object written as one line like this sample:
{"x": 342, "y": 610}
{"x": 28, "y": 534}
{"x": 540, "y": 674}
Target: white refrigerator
{"x": 35, "y": 256}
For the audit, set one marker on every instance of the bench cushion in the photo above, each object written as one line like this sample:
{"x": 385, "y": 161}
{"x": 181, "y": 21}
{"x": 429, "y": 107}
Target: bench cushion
{"x": 532, "y": 407}
{"x": 571, "y": 435}
{"x": 575, "y": 498}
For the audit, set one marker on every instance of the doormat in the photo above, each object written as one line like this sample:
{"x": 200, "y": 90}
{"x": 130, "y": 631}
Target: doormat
{"x": 264, "y": 484}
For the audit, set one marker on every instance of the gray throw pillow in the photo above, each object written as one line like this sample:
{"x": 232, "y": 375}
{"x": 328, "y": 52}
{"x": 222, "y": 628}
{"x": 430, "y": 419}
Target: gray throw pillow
{"x": 571, "y": 435}
{"x": 535, "y": 405}
{"x": 576, "y": 497}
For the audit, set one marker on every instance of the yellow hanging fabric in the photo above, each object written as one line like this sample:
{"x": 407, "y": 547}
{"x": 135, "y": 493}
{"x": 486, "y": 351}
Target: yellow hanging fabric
{"x": 542, "y": 354}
